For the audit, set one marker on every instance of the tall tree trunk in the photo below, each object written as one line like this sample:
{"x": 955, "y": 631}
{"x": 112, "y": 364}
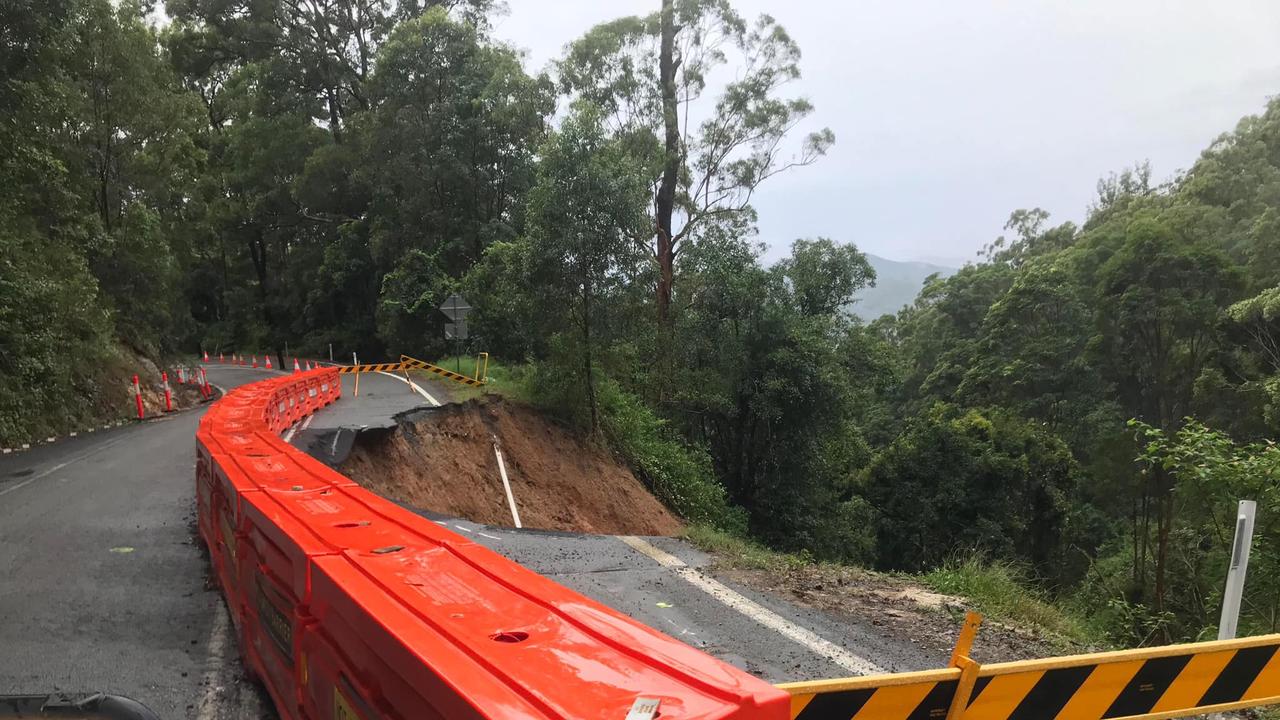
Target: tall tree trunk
{"x": 258, "y": 253}
{"x": 335, "y": 115}
{"x": 586, "y": 354}
{"x": 664, "y": 203}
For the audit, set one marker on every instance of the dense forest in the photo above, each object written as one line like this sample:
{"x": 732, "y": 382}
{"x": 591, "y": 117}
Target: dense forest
{"x": 1083, "y": 403}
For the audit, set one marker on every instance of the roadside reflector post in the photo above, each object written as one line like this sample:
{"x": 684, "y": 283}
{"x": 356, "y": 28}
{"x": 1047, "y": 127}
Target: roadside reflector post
{"x": 1234, "y": 591}
{"x": 137, "y": 394}
{"x": 168, "y": 397}
{"x": 506, "y": 483}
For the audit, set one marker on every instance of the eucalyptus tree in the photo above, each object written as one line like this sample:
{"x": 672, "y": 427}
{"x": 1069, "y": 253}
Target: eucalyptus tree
{"x": 705, "y": 146}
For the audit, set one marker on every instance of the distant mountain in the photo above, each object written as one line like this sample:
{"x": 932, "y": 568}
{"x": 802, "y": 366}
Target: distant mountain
{"x": 897, "y": 284}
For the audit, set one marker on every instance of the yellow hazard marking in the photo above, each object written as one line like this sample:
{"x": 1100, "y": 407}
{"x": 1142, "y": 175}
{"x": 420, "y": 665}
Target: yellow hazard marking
{"x": 1098, "y": 691}
{"x": 885, "y": 701}
{"x": 1194, "y": 681}
{"x": 1149, "y": 683}
{"x": 1002, "y": 696}
{"x": 1268, "y": 682}
{"x": 371, "y": 367}
{"x": 416, "y": 364}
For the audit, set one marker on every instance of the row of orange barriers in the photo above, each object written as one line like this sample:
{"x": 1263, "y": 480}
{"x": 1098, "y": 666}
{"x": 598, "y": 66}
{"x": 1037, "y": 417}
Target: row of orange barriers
{"x": 348, "y": 606}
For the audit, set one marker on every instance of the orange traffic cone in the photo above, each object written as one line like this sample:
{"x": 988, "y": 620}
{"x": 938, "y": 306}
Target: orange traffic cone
{"x": 268, "y": 362}
{"x": 296, "y": 367}
{"x": 255, "y": 361}
{"x": 310, "y": 366}
{"x": 206, "y": 356}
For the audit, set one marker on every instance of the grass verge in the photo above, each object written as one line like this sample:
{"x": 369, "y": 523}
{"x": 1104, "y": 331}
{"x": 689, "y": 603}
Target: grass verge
{"x": 500, "y": 379}
{"x": 1000, "y": 591}
{"x": 737, "y": 551}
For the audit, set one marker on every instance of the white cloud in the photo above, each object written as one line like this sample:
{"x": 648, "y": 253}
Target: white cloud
{"x": 948, "y": 115}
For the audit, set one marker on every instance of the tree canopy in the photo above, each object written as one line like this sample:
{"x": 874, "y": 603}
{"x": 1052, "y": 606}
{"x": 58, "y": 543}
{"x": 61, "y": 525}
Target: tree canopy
{"x": 1085, "y": 401}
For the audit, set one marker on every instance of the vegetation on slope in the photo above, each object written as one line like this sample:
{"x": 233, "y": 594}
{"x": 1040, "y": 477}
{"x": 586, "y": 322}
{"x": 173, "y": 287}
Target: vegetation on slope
{"x": 242, "y": 180}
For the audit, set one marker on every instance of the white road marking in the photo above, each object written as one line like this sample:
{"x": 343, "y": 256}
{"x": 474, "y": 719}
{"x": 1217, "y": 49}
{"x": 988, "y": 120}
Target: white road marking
{"x": 415, "y": 387}
{"x": 207, "y": 709}
{"x": 60, "y": 466}
{"x": 464, "y": 529}
{"x": 491, "y": 537}
{"x": 296, "y": 427}
{"x": 753, "y": 610}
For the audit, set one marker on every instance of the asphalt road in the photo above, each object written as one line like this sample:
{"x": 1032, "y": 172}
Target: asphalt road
{"x": 677, "y": 594}
{"x": 103, "y": 588}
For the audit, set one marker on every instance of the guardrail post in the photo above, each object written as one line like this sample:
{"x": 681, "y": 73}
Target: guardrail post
{"x": 1234, "y": 591}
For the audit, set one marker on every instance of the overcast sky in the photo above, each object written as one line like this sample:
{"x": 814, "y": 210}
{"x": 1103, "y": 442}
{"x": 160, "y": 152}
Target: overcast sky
{"x": 950, "y": 114}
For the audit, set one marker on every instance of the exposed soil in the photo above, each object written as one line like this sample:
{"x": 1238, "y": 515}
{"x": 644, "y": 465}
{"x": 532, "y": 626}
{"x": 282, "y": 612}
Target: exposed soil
{"x": 904, "y": 609}
{"x": 442, "y": 460}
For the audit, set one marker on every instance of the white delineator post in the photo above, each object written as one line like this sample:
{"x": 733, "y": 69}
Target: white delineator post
{"x": 506, "y": 483}
{"x": 1236, "y": 571}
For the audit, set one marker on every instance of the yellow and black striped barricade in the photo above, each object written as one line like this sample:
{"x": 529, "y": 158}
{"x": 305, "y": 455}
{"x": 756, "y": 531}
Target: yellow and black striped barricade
{"x": 371, "y": 367}
{"x": 1164, "y": 682}
{"x": 415, "y": 364}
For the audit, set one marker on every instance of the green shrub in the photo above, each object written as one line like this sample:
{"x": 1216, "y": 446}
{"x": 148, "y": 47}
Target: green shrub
{"x": 679, "y": 474}
{"x": 1002, "y": 591}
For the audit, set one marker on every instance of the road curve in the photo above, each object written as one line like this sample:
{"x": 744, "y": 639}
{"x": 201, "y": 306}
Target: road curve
{"x": 102, "y": 587}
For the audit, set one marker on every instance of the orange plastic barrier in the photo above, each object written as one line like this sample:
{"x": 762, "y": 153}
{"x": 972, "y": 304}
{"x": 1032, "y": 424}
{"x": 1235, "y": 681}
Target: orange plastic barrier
{"x": 351, "y": 607}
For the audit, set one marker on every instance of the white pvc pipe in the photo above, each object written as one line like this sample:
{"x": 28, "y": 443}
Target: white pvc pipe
{"x": 506, "y": 484}
{"x": 1234, "y": 591}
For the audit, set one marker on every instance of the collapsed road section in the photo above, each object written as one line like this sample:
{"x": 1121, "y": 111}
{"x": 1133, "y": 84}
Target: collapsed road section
{"x": 349, "y": 606}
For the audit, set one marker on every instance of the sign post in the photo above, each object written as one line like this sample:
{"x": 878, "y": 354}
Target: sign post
{"x": 1236, "y": 571}
{"x": 455, "y": 307}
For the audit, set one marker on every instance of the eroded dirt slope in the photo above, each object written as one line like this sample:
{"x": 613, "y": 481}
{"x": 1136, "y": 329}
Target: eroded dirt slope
{"x": 442, "y": 460}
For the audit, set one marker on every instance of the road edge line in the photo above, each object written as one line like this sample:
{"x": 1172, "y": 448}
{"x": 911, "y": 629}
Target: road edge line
{"x": 755, "y": 611}
{"x": 415, "y": 387}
